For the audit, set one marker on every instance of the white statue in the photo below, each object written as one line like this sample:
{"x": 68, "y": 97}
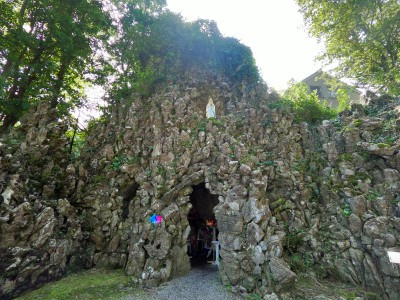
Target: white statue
{"x": 210, "y": 109}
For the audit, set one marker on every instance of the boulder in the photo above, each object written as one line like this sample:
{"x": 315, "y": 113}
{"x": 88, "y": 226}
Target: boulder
{"x": 284, "y": 278}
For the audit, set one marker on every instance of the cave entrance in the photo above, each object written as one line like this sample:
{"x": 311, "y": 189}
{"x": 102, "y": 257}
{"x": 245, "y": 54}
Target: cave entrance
{"x": 203, "y": 246}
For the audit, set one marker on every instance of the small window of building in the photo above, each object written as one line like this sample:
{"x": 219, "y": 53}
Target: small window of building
{"x": 333, "y": 94}
{"x": 316, "y": 88}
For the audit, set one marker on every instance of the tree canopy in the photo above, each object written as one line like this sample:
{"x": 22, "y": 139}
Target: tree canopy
{"x": 50, "y": 49}
{"x": 46, "y": 49}
{"x": 161, "y": 46}
{"x": 361, "y": 37}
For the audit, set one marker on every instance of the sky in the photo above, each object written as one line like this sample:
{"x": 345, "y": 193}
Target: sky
{"x": 273, "y": 29}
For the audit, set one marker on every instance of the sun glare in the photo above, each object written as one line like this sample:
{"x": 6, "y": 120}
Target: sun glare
{"x": 273, "y": 29}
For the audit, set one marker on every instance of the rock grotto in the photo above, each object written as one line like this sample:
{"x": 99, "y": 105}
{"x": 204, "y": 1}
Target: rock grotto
{"x": 329, "y": 194}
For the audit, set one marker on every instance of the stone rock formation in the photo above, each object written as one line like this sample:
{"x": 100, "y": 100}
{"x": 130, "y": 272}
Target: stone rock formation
{"x": 328, "y": 193}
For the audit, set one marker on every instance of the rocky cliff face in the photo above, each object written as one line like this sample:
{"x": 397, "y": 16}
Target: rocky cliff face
{"x": 290, "y": 196}
{"x": 38, "y": 226}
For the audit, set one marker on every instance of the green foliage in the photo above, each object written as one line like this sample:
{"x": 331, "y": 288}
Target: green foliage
{"x": 50, "y": 49}
{"x": 305, "y": 104}
{"x": 254, "y": 296}
{"x": 14, "y": 139}
{"x": 161, "y": 46}
{"x": 120, "y": 160}
{"x": 361, "y": 37}
{"x": 94, "y": 122}
{"x": 293, "y": 239}
{"x": 389, "y": 125}
{"x": 199, "y": 127}
{"x": 302, "y": 165}
{"x": 267, "y": 163}
{"x": 343, "y": 99}
{"x": 373, "y": 195}
{"x": 299, "y": 263}
{"x": 77, "y": 141}
{"x": 357, "y": 122}
{"x": 217, "y": 122}
{"x": 346, "y": 211}
{"x": 327, "y": 282}
{"x": 345, "y": 157}
{"x": 117, "y": 162}
{"x": 93, "y": 284}
{"x": 161, "y": 170}
{"x": 383, "y": 145}
{"x": 46, "y": 52}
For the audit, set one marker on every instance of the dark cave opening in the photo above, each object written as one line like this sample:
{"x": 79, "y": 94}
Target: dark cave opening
{"x": 129, "y": 194}
{"x": 203, "y": 238}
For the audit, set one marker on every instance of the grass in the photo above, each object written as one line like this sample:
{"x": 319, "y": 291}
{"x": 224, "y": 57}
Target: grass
{"x": 309, "y": 286}
{"x": 91, "y": 284}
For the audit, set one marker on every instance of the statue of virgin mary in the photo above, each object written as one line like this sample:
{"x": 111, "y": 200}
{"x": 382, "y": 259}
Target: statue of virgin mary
{"x": 210, "y": 109}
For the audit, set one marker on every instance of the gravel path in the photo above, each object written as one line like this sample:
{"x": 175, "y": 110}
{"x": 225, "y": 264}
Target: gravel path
{"x": 202, "y": 283}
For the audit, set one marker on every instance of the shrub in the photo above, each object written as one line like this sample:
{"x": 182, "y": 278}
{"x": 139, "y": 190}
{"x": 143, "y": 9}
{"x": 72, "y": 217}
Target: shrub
{"x": 305, "y": 104}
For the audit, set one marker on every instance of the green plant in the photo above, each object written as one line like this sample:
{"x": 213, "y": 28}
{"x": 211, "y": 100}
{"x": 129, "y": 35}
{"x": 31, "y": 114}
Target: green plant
{"x": 46, "y": 53}
{"x": 373, "y": 195}
{"x": 349, "y": 295}
{"x": 254, "y": 296}
{"x": 282, "y": 104}
{"x": 346, "y": 41}
{"x": 343, "y": 99}
{"x": 363, "y": 176}
{"x": 357, "y": 122}
{"x": 117, "y": 162}
{"x": 161, "y": 170}
{"x": 365, "y": 155}
{"x": 383, "y": 145}
{"x": 99, "y": 178}
{"x": 120, "y": 160}
{"x": 306, "y": 105}
{"x": 246, "y": 159}
{"x": 337, "y": 123}
{"x": 239, "y": 122}
{"x": 267, "y": 163}
{"x": 133, "y": 160}
{"x": 391, "y": 139}
{"x": 346, "y": 211}
{"x": 345, "y": 157}
{"x": 92, "y": 124}
{"x": 187, "y": 144}
{"x": 301, "y": 165}
{"x": 88, "y": 285}
{"x": 395, "y": 201}
{"x": 14, "y": 138}
{"x": 299, "y": 262}
{"x": 293, "y": 239}
{"x": 388, "y": 125}
{"x": 149, "y": 172}
{"x": 217, "y": 122}
{"x": 200, "y": 127}
{"x": 77, "y": 141}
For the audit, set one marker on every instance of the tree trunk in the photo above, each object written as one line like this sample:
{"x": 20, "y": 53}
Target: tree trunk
{"x": 59, "y": 82}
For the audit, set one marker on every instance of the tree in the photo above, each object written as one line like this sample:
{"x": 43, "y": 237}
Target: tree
{"x": 361, "y": 37}
{"x": 155, "y": 46}
{"x": 306, "y": 105}
{"x": 46, "y": 51}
